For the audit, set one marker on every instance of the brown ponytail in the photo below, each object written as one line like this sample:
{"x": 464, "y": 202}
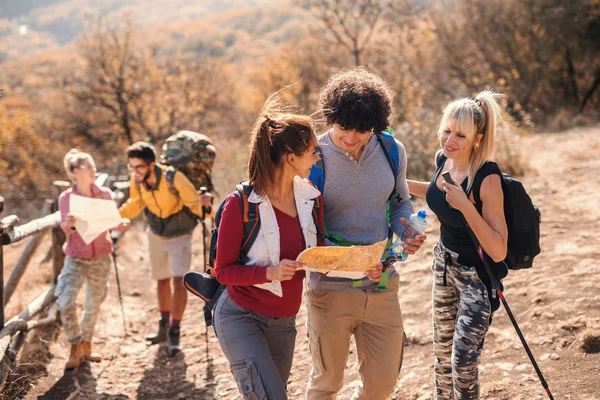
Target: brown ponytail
{"x": 273, "y": 137}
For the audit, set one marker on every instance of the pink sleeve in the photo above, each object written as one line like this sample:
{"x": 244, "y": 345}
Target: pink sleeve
{"x": 229, "y": 244}
{"x": 63, "y": 207}
{"x": 107, "y": 193}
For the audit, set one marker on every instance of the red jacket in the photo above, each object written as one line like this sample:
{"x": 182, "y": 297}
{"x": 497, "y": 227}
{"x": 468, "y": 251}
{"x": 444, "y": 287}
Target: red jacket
{"x": 240, "y": 278}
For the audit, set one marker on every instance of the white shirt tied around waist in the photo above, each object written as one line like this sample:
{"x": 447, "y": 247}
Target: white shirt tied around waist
{"x": 266, "y": 249}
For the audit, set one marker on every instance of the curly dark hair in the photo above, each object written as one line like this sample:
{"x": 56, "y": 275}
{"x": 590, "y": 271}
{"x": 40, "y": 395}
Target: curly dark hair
{"x": 357, "y": 100}
{"x": 142, "y": 150}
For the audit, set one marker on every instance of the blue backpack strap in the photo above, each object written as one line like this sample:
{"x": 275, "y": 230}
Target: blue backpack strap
{"x": 317, "y": 172}
{"x": 388, "y": 143}
{"x": 390, "y": 147}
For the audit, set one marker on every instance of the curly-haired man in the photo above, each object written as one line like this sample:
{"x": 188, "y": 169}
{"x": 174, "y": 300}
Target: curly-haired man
{"x": 365, "y": 177}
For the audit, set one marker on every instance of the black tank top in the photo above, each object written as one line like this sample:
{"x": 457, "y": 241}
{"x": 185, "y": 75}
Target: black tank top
{"x": 453, "y": 231}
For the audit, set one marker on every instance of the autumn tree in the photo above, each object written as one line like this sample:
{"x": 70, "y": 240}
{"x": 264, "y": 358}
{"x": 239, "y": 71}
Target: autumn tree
{"x": 128, "y": 93}
{"x": 303, "y": 68}
{"x": 26, "y": 174}
{"x": 544, "y": 54}
{"x": 104, "y": 96}
{"x": 350, "y": 24}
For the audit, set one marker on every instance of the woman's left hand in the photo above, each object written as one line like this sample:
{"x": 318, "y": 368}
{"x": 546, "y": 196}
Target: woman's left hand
{"x": 456, "y": 196}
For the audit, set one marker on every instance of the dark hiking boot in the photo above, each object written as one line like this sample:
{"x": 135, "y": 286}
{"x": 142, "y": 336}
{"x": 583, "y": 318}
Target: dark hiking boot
{"x": 160, "y": 335}
{"x": 174, "y": 345}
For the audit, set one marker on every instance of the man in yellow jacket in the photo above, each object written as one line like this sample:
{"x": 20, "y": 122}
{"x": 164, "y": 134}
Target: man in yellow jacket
{"x": 172, "y": 207}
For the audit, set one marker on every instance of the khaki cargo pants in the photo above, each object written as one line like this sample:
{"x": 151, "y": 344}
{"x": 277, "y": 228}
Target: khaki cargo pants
{"x": 375, "y": 320}
{"x": 94, "y": 272}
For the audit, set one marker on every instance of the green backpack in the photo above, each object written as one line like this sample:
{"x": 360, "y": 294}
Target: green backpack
{"x": 191, "y": 153}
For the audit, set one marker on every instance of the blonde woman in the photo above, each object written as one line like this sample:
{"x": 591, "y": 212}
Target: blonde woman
{"x": 463, "y": 299}
{"x": 83, "y": 263}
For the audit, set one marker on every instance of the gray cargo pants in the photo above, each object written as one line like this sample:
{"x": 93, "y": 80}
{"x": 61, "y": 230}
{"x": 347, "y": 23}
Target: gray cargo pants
{"x": 461, "y": 314}
{"x": 94, "y": 272}
{"x": 259, "y": 349}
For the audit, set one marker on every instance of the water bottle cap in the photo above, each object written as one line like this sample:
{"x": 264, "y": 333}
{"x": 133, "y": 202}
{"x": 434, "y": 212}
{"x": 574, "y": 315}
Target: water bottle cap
{"x": 422, "y": 214}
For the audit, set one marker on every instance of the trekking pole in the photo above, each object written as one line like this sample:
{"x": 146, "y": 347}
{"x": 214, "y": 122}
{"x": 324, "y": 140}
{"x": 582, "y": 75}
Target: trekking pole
{"x": 115, "y": 238}
{"x": 496, "y": 286}
{"x": 203, "y": 190}
{"x": 531, "y": 358}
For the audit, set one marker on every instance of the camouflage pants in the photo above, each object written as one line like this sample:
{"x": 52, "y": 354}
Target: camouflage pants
{"x": 461, "y": 312}
{"x": 94, "y": 272}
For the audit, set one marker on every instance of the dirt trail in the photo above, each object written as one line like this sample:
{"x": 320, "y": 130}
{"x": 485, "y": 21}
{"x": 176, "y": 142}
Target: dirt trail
{"x": 554, "y": 303}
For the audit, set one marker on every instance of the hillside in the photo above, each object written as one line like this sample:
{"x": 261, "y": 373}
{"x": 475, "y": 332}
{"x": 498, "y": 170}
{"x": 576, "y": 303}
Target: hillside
{"x": 33, "y": 27}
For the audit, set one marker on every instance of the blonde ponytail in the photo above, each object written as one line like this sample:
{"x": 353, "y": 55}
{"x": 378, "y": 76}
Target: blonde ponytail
{"x": 473, "y": 117}
{"x": 68, "y": 163}
{"x": 73, "y": 159}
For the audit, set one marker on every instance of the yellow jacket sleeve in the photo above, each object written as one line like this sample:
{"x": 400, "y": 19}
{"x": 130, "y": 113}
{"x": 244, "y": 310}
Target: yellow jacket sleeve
{"x": 135, "y": 204}
{"x": 188, "y": 194}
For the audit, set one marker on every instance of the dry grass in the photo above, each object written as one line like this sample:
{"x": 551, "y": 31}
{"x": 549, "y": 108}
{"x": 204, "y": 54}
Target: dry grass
{"x": 591, "y": 341}
{"x": 31, "y": 363}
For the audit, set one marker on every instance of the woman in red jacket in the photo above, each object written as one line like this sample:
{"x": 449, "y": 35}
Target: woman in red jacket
{"x": 255, "y": 319}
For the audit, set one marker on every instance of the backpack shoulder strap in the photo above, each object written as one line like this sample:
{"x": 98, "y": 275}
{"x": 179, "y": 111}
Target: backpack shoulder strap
{"x": 315, "y": 215}
{"x": 440, "y": 160}
{"x": 317, "y": 172}
{"x": 489, "y": 168}
{"x": 389, "y": 144}
{"x": 390, "y": 147}
{"x": 170, "y": 175}
{"x": 250, "y": 218}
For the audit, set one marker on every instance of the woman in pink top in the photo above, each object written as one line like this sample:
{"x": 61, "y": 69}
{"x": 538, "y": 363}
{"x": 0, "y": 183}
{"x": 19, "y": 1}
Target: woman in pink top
{"x": 89, "y": 263}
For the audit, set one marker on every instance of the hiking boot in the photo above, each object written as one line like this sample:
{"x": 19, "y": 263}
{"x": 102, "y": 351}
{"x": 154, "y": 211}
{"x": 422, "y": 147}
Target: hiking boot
{"x": 160, "y": 335}
{"x": 174, "y": 346}
{"x": 76, "y": 357}
{"x": 87, "y": 351}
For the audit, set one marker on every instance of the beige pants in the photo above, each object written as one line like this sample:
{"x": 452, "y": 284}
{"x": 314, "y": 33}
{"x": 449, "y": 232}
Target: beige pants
{"x": 169, "y": 257}
{"x": 375, "y": 319}
{"x": 94, "y": 272}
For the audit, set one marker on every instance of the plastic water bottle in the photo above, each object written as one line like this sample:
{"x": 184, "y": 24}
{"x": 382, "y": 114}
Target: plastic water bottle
{"x": 416, "y": 226}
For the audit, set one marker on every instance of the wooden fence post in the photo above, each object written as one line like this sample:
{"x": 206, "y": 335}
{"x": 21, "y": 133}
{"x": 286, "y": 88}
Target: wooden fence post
{"x": 28, "y": 252}
{"x": 58, "y": 236}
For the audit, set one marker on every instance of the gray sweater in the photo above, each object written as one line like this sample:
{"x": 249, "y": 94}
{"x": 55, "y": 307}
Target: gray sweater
{"x": 355, "y": 198}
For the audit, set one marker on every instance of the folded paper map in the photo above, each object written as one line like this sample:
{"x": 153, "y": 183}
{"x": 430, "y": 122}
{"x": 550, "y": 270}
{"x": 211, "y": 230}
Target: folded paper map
{"x": 347, "y": 262}
{"x": 93, "y": 216}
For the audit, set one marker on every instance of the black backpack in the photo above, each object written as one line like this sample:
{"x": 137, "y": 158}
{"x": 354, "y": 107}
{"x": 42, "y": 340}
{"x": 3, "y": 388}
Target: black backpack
{"x": 205, "y": 285}
{"x": 523, "y": 220}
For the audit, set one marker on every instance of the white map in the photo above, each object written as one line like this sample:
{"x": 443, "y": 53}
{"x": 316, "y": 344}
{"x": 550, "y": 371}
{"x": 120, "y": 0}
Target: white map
{"x": 93, "y": 216}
